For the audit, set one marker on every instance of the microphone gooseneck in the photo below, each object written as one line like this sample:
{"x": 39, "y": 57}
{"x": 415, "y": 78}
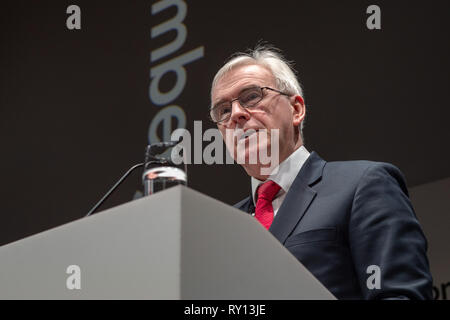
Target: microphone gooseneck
{"x": 151, "y": 159}
{"x": 114, "y": 187}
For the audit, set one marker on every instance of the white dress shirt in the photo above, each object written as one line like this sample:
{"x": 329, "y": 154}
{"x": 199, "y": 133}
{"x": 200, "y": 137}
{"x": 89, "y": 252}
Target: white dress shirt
{"x": 284, "y": 177}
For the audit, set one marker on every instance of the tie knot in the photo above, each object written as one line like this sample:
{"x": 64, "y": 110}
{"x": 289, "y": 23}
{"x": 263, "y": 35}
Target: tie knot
{"x": 268, "y": 190}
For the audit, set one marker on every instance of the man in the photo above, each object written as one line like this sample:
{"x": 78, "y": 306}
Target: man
{"x": 342, "y": 220}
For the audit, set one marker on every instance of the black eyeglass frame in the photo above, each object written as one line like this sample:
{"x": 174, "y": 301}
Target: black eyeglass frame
{"x": 243, "y": 104}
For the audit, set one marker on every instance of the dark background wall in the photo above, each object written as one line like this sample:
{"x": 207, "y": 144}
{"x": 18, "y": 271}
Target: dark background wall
{"x": 75, "y": 108}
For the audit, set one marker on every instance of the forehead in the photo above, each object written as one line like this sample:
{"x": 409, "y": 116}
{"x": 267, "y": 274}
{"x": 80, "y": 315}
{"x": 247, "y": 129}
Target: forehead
{"x": 239, "y": 78}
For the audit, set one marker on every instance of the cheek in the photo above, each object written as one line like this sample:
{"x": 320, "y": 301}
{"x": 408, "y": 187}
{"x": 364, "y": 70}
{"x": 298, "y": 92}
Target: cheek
{"x": 227, "y": 137}
{"x": 263, "y": 121}
{"x": 285, "y": 131}
{"x": 276, "y": 122}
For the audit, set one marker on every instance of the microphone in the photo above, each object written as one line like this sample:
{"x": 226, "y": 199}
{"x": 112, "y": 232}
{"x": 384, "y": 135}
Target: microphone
{"x": 152, "y": 154}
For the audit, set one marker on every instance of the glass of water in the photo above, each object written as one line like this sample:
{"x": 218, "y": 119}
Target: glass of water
{"x": 165, "y": 167}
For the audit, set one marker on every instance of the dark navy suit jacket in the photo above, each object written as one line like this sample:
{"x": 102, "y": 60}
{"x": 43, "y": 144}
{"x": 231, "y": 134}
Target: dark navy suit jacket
{"x": 339, "y": 218}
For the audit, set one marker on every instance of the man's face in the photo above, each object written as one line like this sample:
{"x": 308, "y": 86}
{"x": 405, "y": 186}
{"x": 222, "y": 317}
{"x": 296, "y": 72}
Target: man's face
{"x": 274, "y": 111}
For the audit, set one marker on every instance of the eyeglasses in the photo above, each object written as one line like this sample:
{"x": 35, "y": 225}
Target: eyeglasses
{"x": 248, "y": 98}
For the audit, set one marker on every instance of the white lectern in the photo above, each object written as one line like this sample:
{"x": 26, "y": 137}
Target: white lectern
{"x": 175, "y": 244}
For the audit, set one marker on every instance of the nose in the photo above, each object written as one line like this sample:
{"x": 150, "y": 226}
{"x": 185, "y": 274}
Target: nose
{"x": 239, "y": 114}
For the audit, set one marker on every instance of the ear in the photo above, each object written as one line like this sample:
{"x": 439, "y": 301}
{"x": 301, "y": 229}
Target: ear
{"x": 298, "y": 110}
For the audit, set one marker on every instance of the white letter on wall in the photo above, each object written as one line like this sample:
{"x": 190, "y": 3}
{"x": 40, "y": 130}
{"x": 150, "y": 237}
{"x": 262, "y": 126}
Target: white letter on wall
{"x": 374, "y": 21}
{"x": 74, "y": 20}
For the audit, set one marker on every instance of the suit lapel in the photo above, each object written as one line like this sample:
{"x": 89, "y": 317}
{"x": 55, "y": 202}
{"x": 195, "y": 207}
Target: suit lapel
{"x": 246, "y": 205}
{"x": 298, "y": 199}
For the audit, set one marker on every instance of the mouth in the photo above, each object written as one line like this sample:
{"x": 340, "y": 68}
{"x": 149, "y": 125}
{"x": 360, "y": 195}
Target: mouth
{"x": 247, "y": 134}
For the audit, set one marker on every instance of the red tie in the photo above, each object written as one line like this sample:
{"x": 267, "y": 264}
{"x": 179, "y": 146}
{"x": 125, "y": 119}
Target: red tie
{"x": 264, "y": 210}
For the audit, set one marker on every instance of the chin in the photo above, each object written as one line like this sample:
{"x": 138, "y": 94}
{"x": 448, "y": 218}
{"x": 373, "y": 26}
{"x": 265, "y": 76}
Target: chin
{"x": 250, "y": 155}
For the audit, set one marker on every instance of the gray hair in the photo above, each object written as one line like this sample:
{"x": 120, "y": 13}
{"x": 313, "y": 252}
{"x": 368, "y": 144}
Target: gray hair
{"x": 272, "y": 59}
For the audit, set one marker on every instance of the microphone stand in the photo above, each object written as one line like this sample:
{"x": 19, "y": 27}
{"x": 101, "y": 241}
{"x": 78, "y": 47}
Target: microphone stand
{"x": 114, "y": 188}
{"x": 150, "y": 158}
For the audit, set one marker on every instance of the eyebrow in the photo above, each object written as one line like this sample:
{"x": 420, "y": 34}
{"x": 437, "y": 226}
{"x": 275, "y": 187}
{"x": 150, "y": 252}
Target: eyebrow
{"x": 250, "y": 86}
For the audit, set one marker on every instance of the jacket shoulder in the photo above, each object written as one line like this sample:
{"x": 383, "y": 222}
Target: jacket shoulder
{"x": 356, "y": 171}
{"x": 243, "y": 204}
{"x": 362, "y": 167}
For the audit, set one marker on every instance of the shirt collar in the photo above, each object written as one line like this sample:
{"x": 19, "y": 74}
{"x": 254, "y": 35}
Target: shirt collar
{"x": 286, "y": 173}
